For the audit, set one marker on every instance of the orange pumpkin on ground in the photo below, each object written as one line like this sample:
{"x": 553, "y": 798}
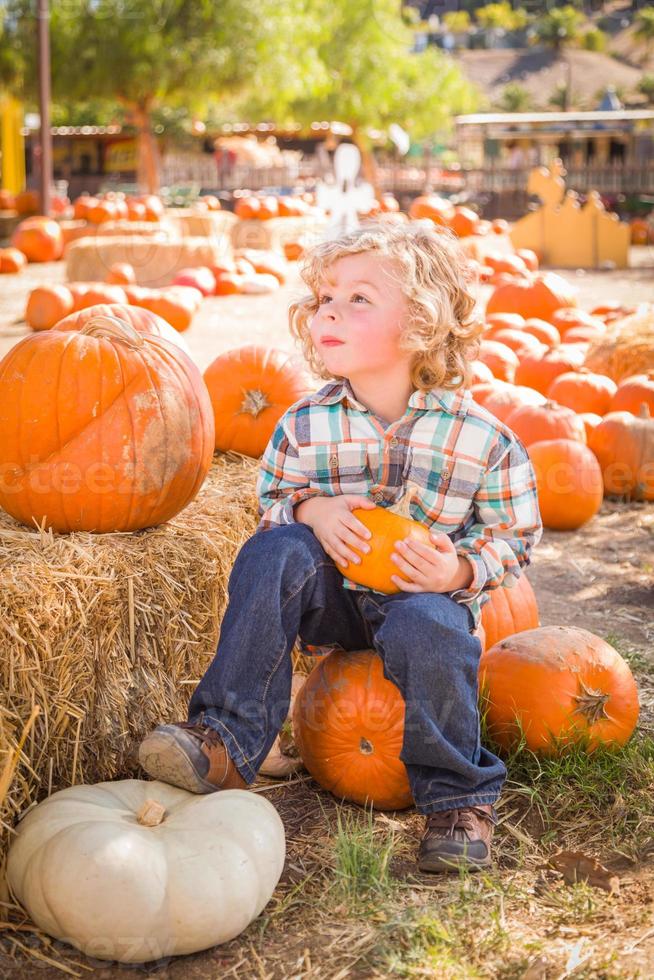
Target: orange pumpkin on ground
{"x": 536, "y": 423}
{"x": 129, "y": 451}
{"x": 583, "y": 391}
{"x": 94, "y": 293}
{"x": 39, "y": 239}
{"x": 504, "y": 321}
{"x": 482, "y": 391}
{"x": 82, "y": 206}
{"x": 509, "y": 611}
{"x": 502, "y": 361}
{"x": 512, "y": 264}
{"x": 560, "y": 686}
{"x": 624, "y": 446}
{"x": 250, "y": 388}
{"x": 135, "y": 211}
{"x": 521, "y": 343}
{"x": 464, "y": 222}
{"x": 27, "y": 202}
{"x": 634, "y": 392}
{"x": 538, "y": 372}
{"x": 266, "y": 262}
{"x": 583, "y": 334}
{"x": 543, "y": 331}
{"x": 229, "y": 283}
{"x": 247, "y": 208}
{"x": 502, "y": 402}
{"x": 539, "y": 297}
{"x": 104, "y": 210}
{"x": 268, "y": 208}
{"x": 480, "y": 372}
{"x": 12, "y": 260}
{"x": 348, "y": 723}
{"x": 569, "y": 482}
{"x": 529, "y": 257}
{"x": 386, "y": 525}
{"x": 46, "y": 305}
{"x": 121, "y": 274}
{"x": 567, "y": 319}
{"x": 176, "y": 304}
{"x": 437, "y": 209}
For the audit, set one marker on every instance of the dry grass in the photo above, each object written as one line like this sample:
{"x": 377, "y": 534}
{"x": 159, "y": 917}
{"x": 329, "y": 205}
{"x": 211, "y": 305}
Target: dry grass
{"x": 628, "y": 347}
{"x": 108, "y": 634}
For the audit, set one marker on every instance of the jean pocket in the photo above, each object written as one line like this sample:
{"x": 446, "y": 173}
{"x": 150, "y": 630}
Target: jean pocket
{"x": 340, "y": 467}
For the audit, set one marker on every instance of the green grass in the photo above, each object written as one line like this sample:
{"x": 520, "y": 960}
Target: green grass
{"x": 362, "y": 856}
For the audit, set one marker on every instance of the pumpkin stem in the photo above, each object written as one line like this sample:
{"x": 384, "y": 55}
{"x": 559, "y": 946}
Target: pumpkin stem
{"x": 402, "y": 506}
{"x": 254, "y": 402}
{"x": 112, "y": 328}
{"x": 366, "y": 747}
{"x": 151, "y": 814}
{"x": 644, "y": 412}
{"x": 591, "y": 704}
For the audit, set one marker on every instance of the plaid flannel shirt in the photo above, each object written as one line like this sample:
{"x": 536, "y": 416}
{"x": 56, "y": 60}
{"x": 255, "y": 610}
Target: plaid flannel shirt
{"x": 475, "y": 480}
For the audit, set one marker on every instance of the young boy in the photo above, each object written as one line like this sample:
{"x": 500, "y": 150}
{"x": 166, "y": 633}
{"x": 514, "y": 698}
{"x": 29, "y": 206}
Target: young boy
{"x": 389, "y": 324}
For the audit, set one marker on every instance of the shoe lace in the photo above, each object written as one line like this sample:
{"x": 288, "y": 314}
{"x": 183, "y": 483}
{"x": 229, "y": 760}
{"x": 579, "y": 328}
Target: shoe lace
{"x": 463, "y": 819}
{"x": 209, "y": 736}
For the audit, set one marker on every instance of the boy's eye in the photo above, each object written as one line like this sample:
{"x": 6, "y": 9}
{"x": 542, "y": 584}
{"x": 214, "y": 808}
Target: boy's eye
{"x": 326, "y": 297}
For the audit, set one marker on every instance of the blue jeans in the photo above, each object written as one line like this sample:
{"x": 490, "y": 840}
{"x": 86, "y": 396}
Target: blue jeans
{"x": 284, "y": 585}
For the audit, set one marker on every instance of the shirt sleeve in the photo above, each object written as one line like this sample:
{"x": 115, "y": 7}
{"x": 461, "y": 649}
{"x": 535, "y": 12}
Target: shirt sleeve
{"x": 280, "y": 483}
{"x": 506, "y": 521}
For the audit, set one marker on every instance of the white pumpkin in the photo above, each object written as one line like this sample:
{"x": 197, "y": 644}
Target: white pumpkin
{"x": 97, "y": 867}
{"x": 260, "y": 282}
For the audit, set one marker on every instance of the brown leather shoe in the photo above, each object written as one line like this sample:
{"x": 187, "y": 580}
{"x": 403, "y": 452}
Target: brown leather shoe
{"x": 455, "y": 839}
{"x": 190, "y": 756}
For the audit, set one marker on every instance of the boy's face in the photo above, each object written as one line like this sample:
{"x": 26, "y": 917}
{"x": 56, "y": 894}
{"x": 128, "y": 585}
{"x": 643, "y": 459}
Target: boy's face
{"x": 362, "y": 310}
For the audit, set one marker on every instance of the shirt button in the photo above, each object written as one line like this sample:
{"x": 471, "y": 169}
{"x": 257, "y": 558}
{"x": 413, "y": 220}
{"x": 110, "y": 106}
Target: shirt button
{"x": 393, "y": 442}
{"x": 446, "y": 473}
{"x": 333, "y": 460}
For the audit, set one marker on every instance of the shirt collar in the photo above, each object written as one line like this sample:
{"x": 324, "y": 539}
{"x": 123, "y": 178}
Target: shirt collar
{"x": 455, "y": 402}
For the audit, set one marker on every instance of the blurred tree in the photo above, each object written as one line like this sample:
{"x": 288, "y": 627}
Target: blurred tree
{"x": 644, "y": 28}
{"x": 515, "y": 98}
{"x": 559, "y": 27}
{"x": 457, "y": 21}
{"x": 371, "y": 79}
{"x": 174, "y": 52}
{"x": 501, "y": 16}
{"x": 594, "y": 40}
{"x": 646, "y": 86}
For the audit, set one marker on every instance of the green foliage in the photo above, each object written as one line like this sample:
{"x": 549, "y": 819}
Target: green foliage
{"x": 644, "y": 26}
{"x": 501, "y": 15}
{"x": 559, "y": 27}
{"x": 457, "y": 21}
{"x": 559, "y": 97}
{"x": 646, "y": 86}
{"x": 515, "y": 98}
{"x": 362, "y": 859}
{"x": 594, "y": 40}
{"x": 370, "y": 76}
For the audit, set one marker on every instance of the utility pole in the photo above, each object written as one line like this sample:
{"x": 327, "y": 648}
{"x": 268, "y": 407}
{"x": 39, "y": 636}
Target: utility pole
{"x": 45, "y": 176}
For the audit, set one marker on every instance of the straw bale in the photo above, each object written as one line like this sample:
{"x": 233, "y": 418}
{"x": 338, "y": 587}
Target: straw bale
{"x": 156, "y": 260}
{"x": 277, "y": 232}
{"x": 627, "y": 348}
{"x": 207, "y": 224}
{"x": 108, "y": 634}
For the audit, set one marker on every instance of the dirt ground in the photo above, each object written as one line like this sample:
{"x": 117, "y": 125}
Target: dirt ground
{"x": 600, "y": 578}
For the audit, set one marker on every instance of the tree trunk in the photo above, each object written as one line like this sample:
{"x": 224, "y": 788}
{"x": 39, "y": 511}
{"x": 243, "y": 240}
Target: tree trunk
{"x": 148, "y": 154}
{"x": 368, "y": 162}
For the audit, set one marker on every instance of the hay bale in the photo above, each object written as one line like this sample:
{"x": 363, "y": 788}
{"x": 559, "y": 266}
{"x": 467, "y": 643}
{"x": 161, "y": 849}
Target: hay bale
{"x": 627, "y": 348}
{"x": 156, "y": 260}
{"x": 277, "y": 232}
{"x": 216, "y": 225}
{"x": 108, "y": 634}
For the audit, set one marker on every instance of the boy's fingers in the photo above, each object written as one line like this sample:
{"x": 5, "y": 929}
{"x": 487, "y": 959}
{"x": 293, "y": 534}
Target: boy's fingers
{"x": 440, "y": 540}
{"x": 349, "y": 520}
{"x": 354, "y": 500}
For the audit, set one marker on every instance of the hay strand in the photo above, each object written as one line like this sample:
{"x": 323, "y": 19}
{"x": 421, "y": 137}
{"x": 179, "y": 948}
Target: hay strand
{"x": 627, "y": 348}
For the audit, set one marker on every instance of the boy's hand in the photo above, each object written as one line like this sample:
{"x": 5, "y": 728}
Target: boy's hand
{"x": 435, "y": 568}
{"x": 333, "y": 523}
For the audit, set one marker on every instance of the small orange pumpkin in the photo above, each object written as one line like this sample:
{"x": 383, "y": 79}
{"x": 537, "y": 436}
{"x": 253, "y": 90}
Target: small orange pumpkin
{"x": 502, "y": 402}
{"x": 464, "y": 222}
{"x": 39, "y": 239}
{"x": 12, "y": 260}
{"x": 121, "y": 274}
{"x": 348, "y": 723}
{"x": 437, "y": 209}
{"x": 569, "y": 482}
{"x": 624, "y": 446}
{"x": 560, "y": 686}
{"x": 536, "y": 423}
{"x": 46, "y": 305}
{"x": 634, "y": 392}
{"x": 250, "y": 388}
{"x": 502, "y": 361}
{"x": 538, "y": 297}
{"x": 535, "y": 371}
{"x": 509, "y": 611}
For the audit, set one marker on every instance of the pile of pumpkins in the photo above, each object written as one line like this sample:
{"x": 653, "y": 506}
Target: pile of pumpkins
{"x": 251, "y": 271}
{"x": 587, "y": 434}
{"x": 463, "y": 221}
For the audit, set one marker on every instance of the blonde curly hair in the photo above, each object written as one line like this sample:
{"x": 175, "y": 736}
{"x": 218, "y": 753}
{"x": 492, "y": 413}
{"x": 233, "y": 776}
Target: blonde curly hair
{"x": 437, "y": 279}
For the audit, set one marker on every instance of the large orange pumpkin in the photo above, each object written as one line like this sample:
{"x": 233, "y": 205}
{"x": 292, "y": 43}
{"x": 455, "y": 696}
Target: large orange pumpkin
{"x": 141, "y": 319}
{"x": 624, "y": 446}
{"x": 348, "y": 723}
{"x": 559, "y": 686}
{"x": 536, "y": 371}
{"x": 509, "y": 611}
{"x": 386, "y": 525}
{"x": 39, "y": 239}
{"x": 539, "y": 297}
{"x": 502, "y": 402}
{"x": 437, "y": 209}
{"x": 633, "y": 393}
{"x": 129, "y": 450}
{"x": 535, "y": 423}
{"x": 543, "y": 331}
{"x": 502, "y": 361}
{"x": 583, "y": 391}
{"x": 569, "y": 482}
{"x": 250, "y": 388}
{"x": 46, "y": 305}
{"x": 569, "y": 318}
